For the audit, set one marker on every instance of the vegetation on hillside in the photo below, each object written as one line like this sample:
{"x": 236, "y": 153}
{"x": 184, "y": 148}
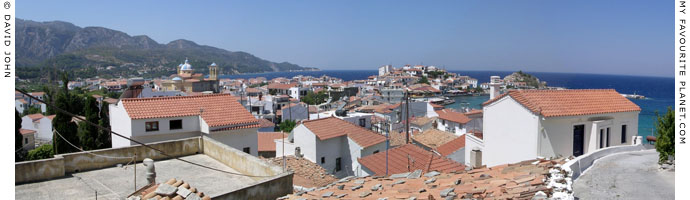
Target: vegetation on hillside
{"x": 314, "y": 98}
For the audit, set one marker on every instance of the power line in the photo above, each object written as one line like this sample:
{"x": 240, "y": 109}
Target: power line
{"x": 130, "y": 139}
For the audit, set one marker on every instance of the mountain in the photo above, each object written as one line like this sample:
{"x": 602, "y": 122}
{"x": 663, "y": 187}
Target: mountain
{"x": 91, "y": 51}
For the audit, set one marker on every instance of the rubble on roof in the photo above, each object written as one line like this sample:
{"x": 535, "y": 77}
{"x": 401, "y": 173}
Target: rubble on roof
{"x": 523, "y": 180}
{"x": 172, "y": 189}
{"x": 307, "y": 173}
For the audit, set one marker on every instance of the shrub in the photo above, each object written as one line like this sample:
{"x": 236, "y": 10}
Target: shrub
{"x": 665, "y": 135}
{"x": 42, "y": 152}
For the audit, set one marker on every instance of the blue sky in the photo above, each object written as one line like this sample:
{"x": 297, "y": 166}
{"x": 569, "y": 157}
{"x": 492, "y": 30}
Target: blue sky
{"x": 632, "y": 37}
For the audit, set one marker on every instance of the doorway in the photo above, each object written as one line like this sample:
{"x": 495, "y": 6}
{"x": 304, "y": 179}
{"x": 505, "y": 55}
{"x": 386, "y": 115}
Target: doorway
{"x": 578, "y": 140}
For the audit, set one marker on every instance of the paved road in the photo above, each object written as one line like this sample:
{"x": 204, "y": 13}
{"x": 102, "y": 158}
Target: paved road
{"x": 632, "y": 175}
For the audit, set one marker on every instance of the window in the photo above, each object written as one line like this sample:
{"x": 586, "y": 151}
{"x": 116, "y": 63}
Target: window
{"x": 152, "y": 126}
{"x": 175, "y": 124}
{"x": 601, "y": 138}
{"x": 26, "y": 140}
{"x": 624, "y": 130}
{"x": 247, "y": 150}
{"x": 323, "y": 160}
{"x": 443, "y": 122}
{"x": 608, "y": 131}
{"x": 363, "y": 122}
{"x": 377, "y": 151}
{"x": 337, "y": 165}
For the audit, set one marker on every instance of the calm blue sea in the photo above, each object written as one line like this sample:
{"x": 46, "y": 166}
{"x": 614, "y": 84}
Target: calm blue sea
{"x": 659, "y": 90}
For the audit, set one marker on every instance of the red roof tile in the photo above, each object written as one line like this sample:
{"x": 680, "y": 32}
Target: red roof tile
{"x": 452, "y": 146}
{"x": 398, "y": 161}
{"x": 330, "y": 127}
{"x": 35, "y": 117}
{"x": 218, "y": 109}
{"x": 26, "y": 131}
{"x": 434, "y": 138}
{"x": 554, "y": 103}
{"x": 281, "y": 86}
{"x": 453, "y": 116}
{"x": 265, "y": 123}
{"x": 266, "y": 140}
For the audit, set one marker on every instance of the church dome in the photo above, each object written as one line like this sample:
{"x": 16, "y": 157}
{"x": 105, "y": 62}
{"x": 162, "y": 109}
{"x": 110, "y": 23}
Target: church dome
{"x": 186, "y": 65}
{"x": 177, "y": 79}
{"x": 213, "y": 64}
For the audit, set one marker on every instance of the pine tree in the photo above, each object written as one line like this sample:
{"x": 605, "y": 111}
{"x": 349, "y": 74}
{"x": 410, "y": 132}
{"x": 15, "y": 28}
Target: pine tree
{"x": 104, "y": 140}
{"x": 62, "y": 123}
{"x": 88, "y": 134}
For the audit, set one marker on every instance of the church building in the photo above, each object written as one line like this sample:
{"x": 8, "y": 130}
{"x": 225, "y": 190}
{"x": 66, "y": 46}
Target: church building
{"x": 187, "y": 81}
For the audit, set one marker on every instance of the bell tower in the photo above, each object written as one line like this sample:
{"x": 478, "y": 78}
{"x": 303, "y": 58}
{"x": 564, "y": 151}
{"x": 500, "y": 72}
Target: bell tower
{"x": 213, "y": 72}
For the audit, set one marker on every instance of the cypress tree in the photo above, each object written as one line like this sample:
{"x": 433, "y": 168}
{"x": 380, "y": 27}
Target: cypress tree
{"x": 18, "y": 155}
{"x": 88, "y": 134}
{"x": 104, "y": 140}
{"x": 62, "y": 123}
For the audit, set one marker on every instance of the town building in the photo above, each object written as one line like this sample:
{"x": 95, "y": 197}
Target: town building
{"x": 452, "y": 121}
{"x": 334, "y": 144}
{"x": 219, "y": 116}
{"x": 28, "y": 139}
{"x": 526, "y": 124}
{"x": 42, "y": 125}
{"x": 407, "y": 158}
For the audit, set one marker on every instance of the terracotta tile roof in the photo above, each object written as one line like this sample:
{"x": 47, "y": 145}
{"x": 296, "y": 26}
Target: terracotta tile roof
{"x": 110, "y": 100}
{"x": 511, "y": 181}
{"x": 398, "y": 161}
{"x": 26, "y": 131}
{"x": 452, "y": 146}
{"x": 421, "y": 121}
{"x": 434, "y": 138}
{"x": 330, "y": 127}
{"x": 22, "y": 101}
{"x": 453, "y": 116}
{"x": 252, "y": 90}
{"x": 554, "y": 103}
{"x": 36, "y": 94}
{"x": 149, "y": 191}
{"x": 265, "y": 123}
{"x": 307, "y": 173}
{"x": 281, "y": 86}
{"x": 50, "y": 117}
{"x": 218, "y": 109}
{"x": 35, "y": 117}
{"x": 266, "y": 140}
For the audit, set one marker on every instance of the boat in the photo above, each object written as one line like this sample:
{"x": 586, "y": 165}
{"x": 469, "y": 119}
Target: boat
{"x": 633, "y": 96}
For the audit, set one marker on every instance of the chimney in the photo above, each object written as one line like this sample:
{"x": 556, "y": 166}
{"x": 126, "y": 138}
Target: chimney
{"x": 150, "y": 171}
{"x": 475, "y": 158}
{"x": 495, "y": 86}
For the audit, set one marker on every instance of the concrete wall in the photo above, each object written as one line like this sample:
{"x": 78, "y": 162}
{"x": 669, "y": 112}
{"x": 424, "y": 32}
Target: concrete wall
{"x": 120, "y": 123}
{"x": 189, "y": 124}
{"x": 289, "y": 147}
{"x": 265, "y": 189}
{"x": 82, "y": 161}
{"x": 472, "y": 142}
{"x": 37, "y": 170}
{"x": 238, "y": 160}
{"x": 510, "y": 133}
{"x": 580, "y": 164}
{"x": 306, "y": 141}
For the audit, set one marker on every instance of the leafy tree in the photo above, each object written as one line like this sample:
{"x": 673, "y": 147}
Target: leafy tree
{"x": 18, "y": 143}
{"x": 104, "y": 140}
{"x": 48, "y": 98}
{"x": 314, "y": 98}
{"x": 287, "y": 126}
{"x": 42, "y": 152}
{"x": 665, "y": 134}
{"x": 31, "y": 110}
{"x": 423, "y": 80}
{"x": 87, "y": 133}
{"x": 62, "y": 123}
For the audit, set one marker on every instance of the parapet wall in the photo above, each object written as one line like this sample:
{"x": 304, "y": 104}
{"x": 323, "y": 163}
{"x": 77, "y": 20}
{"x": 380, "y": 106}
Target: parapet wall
{"x": 61, "y": 164}
{"x": 580, "y": 164}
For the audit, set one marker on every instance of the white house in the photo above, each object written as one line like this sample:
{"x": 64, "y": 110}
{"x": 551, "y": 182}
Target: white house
{"x": 460, "y": 148}
{"x": 219, "y": 116}
{"x": 525, "y": 124}
{"x": 28, "y": 142}
{"x": 335, "y": 144}
{"x": 43, "y": 126}
{"x": 452, "y": 121}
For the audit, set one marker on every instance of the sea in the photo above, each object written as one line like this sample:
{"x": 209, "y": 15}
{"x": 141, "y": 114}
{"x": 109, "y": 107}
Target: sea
{"x": 658, "y": 90}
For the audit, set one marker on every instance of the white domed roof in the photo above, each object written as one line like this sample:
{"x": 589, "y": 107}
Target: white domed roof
{"x": 213, "y": 64}
{"x": 177, "y": 79}
{"x": 186, "y": 65}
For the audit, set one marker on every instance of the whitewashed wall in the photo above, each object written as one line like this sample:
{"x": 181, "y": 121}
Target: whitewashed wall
{"x": 509, "y": 133}
{"x": 239, "y": 139}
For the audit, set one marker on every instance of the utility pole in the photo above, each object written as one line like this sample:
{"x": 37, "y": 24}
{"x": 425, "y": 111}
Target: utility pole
{"x": 407, "y": 117}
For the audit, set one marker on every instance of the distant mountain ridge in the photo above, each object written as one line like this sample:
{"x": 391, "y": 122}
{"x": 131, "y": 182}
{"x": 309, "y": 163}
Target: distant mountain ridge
{"x": 66, "y": 46}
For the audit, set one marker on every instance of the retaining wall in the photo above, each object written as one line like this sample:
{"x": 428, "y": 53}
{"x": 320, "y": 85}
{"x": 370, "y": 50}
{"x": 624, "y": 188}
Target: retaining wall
{"x": 583, "y": 162}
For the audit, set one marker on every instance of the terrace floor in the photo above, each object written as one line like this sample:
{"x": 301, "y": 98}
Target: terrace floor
{"x": 118, "y": 182}
{"x": 631, "y": 175}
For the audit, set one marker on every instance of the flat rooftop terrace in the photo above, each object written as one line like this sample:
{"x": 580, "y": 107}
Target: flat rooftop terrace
{"x": 118, "y": 182}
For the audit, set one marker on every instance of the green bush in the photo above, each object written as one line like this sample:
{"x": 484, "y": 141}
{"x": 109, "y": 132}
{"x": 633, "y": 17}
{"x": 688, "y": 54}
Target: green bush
{"x": 287, "y": 126}
{"x": 665, "y": 134}
{"x": 42, "y": 152}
